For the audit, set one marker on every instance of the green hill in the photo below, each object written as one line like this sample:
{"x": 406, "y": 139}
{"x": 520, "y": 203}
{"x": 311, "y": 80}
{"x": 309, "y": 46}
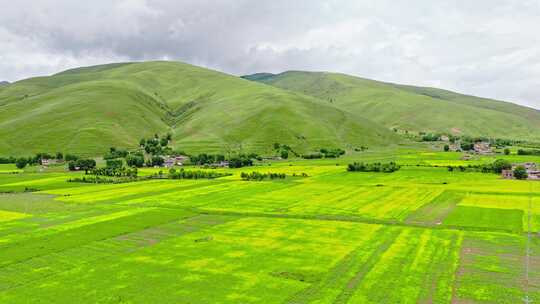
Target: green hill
{"x": 413, "y": 108}
{"x": 87, "y": 110}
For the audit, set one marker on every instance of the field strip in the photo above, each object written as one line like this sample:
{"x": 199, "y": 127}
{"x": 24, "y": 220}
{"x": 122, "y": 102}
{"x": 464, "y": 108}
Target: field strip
{"x": 38, "y": 246}
{"x": 347, "y": 269}
{"x": 354, "y": 219}
{"x": 40, "y": 268}
{"x": 346, "y": 293}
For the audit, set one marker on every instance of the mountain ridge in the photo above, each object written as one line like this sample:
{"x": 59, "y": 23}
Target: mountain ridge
{"x": 88, "y": 109}
{"x": 398, "y": 106}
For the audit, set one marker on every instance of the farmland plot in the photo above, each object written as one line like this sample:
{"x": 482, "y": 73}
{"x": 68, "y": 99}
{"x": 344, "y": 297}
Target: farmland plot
{"x": 419, "y": 235}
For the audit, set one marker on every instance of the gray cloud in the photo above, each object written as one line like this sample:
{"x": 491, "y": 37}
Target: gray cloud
{"x": 483, "y": 47}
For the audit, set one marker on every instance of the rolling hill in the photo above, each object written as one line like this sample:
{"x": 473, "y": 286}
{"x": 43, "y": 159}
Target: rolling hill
{"x": 412, "y": 108}
{"x": 87, "y": 110}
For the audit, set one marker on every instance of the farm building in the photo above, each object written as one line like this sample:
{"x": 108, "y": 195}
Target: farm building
{"x": 533, "y": 172}
{"x": 507, "y": 174}
{"x": 175, "y": 161}
{"x": 48, "y": 162}
{"x": 482, "y": 148}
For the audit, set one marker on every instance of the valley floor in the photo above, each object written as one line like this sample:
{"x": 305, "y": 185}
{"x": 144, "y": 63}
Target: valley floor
{"x": 418, "y": 235}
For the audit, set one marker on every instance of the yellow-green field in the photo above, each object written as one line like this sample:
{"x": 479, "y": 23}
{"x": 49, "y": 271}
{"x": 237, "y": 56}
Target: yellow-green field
{"x": 418, "y": 235}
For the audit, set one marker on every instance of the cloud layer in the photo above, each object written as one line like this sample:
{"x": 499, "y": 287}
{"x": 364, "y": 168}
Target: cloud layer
{"x": 484, "y": 47}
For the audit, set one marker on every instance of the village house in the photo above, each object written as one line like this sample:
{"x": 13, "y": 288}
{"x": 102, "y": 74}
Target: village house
{"x": 181, "y": 159}
{"x": 222, "y": 164}
{"x": 174, "y": 161}
{"x": 49, "y": 162}
{"x": 444, "y": 138}
{"x": 533, "y": 173}
{"x": 169, "y": 162}
{"x": 482, "y": 148}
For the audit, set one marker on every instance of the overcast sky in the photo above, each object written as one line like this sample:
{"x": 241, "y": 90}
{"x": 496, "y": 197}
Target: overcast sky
{"x": 489, "y": 48}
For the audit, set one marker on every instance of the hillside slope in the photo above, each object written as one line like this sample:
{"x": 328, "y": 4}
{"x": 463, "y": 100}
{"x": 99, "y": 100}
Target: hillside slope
{"x": 413, "y": 108}
{"x": 87, "y": 110}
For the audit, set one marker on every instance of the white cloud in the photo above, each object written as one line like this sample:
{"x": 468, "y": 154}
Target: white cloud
{"x": 483, "y": 47}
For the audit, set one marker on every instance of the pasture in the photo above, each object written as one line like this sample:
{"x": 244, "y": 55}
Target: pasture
{"x": 418, "y": 235}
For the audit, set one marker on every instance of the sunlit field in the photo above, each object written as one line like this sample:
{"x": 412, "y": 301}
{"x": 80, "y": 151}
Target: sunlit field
{"x": 418, "y": 235}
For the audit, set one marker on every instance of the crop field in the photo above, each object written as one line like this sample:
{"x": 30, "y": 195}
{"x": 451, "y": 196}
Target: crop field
{"x": 418, "y": 235}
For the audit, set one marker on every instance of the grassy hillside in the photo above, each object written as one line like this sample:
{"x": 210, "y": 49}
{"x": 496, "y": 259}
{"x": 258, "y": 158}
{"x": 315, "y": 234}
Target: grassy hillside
{"x": 413, "y": 108}
{"x": 87, "y": 110}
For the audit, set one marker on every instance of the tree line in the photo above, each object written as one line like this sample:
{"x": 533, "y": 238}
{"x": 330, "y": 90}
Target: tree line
{"x": 257, "y": 176}
{"x": 195, "y": 174}
{"x": 373, "y": 167}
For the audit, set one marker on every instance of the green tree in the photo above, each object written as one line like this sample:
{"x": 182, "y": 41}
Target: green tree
{"x": 157, "y": 161}
{"x": 135, "y": 161}
{"x": 59, "y": 156}
{"x": 114, "y": 163}
{"x": 520, "y": 172}
{"x": 284, "y": 154}
{"x": 506, "y": 151}
{"x": 85, "y": 164}
{"x": 501, "y": 164}
{"x": 446, "y": 148}
{"x": 21, "y": 162}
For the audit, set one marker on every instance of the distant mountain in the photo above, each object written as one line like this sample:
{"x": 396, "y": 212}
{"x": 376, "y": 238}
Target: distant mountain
{"x": 412, "y": 108}
{"x": 3, "y": 83}
{"x": 87, "y": 110}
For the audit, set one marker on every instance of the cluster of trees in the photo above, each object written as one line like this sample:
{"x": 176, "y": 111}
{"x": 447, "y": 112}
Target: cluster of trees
{"x": 22, "y": 162}
{"x": 325, "y": 153}
{"x": 116, "y": 153}
{"x": 82, "y": 164}
{"x": 156, "y": 145}
{"x": 7, "y": 160}
{"x": 135, "y": 160}
{"x": 198, "y": 174}
{"x": 528, "y": 152}
{"x": 238, "y": 161}
{"x": 430, "y": 137}
{"x": 332, "y": 153}
{"x": 284, "y": 150}
{"x": 374, "y": 167}
{"x": 241, "y": 160}
{"x": 115, "y": 172}
{"x": 100, "y": 180}
{"x": 257, "y": 176}
{"x": 496, "y": 167}
{"x": 467, "y": 141}
{"x": 207, "y": 159}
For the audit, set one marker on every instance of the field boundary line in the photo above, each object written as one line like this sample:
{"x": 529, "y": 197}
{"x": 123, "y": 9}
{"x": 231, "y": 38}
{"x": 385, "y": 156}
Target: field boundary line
{"x": 354, "y": 219}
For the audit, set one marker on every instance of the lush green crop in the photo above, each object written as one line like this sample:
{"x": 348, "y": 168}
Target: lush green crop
{"x": 419, "y": 235}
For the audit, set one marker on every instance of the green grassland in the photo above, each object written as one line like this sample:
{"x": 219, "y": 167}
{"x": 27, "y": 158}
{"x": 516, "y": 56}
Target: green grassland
{"x": 87, "y": 110}
{"x": 418, "y": 235}
{"x": 412, "y": 108}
